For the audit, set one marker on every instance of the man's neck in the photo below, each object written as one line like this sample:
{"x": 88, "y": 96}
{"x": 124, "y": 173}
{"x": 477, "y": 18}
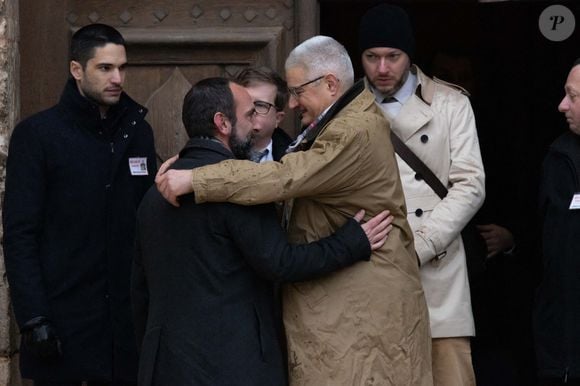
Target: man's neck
{"x": 262, "y": 144}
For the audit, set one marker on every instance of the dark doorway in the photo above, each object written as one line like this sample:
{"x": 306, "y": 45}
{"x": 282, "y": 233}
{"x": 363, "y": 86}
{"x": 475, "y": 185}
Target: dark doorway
{"x": 516, "y": 83}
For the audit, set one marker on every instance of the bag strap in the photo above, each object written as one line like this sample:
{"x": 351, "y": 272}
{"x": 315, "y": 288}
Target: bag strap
{"x": 418, "y": 166}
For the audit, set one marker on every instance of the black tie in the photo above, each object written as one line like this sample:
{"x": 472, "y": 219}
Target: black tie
{"x": 256, "y": 156}
{"x": 389, "y": 100}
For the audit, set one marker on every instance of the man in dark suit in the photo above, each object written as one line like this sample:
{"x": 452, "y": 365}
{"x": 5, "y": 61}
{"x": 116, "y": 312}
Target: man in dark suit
{"x": 75, "y": 176}
{"x": 202, "y": 276}
{"x": 270, "y": 94}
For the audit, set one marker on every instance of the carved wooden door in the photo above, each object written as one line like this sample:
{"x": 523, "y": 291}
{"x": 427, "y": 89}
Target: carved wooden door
{"x": 171, "y": 45}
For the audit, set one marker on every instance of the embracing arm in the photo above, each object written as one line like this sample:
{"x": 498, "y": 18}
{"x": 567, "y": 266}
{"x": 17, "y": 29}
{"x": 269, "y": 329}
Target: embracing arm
{"x": 264, "y": 244}
{"x": 329, "y": 166}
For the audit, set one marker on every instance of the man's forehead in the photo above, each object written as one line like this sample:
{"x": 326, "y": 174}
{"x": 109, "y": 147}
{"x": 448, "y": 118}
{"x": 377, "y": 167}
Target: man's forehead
{"x": 295, "y": 75}
{"x": 241, "y": 95}
{"x": 383, "y": 50}
{"x": 260, "y": 87}
{"x": 109, "y": 53}
{"x": 573, "y": 80}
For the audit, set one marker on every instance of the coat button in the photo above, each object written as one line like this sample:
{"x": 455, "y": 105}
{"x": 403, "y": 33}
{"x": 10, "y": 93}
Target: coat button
{"x": 133, "y": 123}
{"x": 418, "y": 176}
{"x": 125, "y": 135}
{"x": 424, "y": 138}
{"x": 140, "y": 111}
{"x": 419, "y": 212}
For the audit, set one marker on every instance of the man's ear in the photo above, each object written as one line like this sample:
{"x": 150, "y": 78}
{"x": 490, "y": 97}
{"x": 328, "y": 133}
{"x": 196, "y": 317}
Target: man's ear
{"x": 279, "y": 117}
{"x": 76, "y": 69}
{"x": 332, "y": 83}
{"x": 222, "y": 124}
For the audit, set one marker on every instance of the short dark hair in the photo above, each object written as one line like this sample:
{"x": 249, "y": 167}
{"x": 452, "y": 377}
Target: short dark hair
{"x": 251, "y": 75}
{"x": 576, "y": 62}
{"x": 88, "y": 38}
{"x": 206, "y": 98}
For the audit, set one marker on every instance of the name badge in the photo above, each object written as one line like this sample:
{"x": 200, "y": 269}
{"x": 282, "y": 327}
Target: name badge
{"x": 575, "y": 204}
{"x": 138, "y": 166}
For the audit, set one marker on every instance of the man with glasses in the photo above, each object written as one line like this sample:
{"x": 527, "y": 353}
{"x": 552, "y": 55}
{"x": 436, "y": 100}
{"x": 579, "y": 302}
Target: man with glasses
{"x": 201, "y": 284}
{"x": 368, "y": 324}
{"x": 270, "y": 95}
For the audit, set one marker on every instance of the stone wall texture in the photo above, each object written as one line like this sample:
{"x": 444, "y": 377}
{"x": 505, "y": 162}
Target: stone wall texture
{"x": 9, "y": 107}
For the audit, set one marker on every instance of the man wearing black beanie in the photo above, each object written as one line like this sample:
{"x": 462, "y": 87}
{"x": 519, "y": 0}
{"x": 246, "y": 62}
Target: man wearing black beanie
{"x": 435, "y": 121}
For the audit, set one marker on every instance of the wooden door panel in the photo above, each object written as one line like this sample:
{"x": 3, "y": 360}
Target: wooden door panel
{"x": 171, "y": 44}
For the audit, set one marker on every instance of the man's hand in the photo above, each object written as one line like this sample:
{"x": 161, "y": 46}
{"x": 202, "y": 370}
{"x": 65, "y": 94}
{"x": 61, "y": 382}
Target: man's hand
{"x": 498, "y": 239}
{"x": 39, "y": 337}
{"x": 173, "y": 183}
{"x": 377, "y": 228}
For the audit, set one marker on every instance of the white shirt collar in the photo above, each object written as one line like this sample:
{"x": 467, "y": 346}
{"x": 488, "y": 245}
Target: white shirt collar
{"x": 269, "y": 156}
{"x": 402, "y": 95}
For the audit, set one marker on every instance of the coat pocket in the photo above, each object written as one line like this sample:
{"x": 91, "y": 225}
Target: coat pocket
{"x": 313, "y": 293}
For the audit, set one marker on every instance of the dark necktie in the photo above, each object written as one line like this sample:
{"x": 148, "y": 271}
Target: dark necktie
{"x": 256, "y": 156}
{"x": 389, "y": 100}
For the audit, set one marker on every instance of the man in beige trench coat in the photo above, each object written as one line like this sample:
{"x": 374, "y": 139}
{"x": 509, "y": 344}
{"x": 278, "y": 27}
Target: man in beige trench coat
{"x": 366, "y": 325}
{"x": 435, "y": 120}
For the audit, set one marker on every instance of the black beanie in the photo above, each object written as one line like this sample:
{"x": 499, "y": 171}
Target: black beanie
{"x": 386, "y": 26}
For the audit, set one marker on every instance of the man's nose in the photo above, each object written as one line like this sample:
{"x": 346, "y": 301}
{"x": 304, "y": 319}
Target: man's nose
{"x": 563, "y": 106}
{"x": 292, "y": 102}
{"x": 116, "y": 77}
{"x": 383, "y": 65}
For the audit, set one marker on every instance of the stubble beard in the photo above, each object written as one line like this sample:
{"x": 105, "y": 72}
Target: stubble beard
{"x": 241, "y": 148}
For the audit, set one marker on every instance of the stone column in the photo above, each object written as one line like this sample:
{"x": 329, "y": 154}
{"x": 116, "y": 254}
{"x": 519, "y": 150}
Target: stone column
{"x": 9, "y": 109}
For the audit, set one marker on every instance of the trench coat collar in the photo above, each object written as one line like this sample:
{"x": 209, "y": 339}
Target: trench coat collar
{"x": 416, "y": 112}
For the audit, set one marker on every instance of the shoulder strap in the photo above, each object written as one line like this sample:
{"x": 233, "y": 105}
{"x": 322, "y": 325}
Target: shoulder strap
{"x": 418, "y": 166}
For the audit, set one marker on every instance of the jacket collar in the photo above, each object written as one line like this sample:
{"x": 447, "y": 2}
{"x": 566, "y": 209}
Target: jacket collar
{"x": 416, "y": 112}
{"x": 197, "y": 143}
{"x": 85, "y": 113}
{"x": 341, "y": 103}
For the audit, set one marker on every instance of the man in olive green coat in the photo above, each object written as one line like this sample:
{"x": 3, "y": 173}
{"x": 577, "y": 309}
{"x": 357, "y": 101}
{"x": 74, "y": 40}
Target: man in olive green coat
{"x": 368, "y": 324}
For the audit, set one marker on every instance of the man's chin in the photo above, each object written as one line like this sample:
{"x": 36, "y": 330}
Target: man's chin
{"x": 384, "y": 89}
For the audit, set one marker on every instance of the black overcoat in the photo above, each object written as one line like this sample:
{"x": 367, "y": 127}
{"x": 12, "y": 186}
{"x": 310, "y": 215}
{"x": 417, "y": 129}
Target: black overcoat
{"x": 69, "y": 215}
{"x": 202, "y": 284}
{"x": 557, "y": 306}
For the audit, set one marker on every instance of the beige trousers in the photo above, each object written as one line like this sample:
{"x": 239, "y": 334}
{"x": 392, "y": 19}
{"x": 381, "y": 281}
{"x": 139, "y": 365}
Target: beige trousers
{"x": 452, "y": 362}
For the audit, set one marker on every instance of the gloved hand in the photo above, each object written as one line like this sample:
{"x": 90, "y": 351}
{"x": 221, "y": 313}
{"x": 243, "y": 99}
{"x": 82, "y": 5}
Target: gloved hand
{"x": 40, "y": 339}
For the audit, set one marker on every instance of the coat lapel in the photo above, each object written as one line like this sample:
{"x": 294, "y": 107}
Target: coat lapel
{"x": 414, "y": 114}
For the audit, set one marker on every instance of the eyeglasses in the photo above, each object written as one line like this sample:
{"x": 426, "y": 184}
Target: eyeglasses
{"x": 296, "y": 91}
{"x": 262, "y": 107}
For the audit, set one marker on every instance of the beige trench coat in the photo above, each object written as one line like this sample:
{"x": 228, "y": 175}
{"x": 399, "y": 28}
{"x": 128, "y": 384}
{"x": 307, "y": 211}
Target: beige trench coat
{"x": 367, "y": 324}
{"x": 437, "y": 123}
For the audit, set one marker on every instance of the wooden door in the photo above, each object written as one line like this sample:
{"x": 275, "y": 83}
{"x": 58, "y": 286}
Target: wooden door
{"x": 171, "y": 44}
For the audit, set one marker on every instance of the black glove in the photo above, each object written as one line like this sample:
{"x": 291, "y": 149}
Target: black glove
{"x": 39, "y": 338}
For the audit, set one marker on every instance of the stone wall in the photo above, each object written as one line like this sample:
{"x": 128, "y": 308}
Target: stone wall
{"x": 9, "y": 107}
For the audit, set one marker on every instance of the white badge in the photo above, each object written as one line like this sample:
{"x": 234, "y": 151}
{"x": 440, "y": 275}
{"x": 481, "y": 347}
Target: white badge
{"x": 575, "y": 204}
{"x": 138, "y": 166}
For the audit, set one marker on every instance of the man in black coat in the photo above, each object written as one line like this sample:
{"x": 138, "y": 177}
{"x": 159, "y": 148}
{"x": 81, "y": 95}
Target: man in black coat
{"x": 75, "y": 176}
{"x": 202, "y": 277}
{"x": 557, "y": 303}
{"x": 270, "y": 95}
